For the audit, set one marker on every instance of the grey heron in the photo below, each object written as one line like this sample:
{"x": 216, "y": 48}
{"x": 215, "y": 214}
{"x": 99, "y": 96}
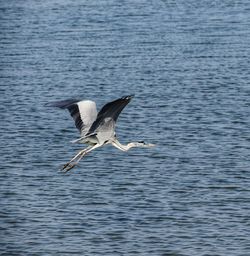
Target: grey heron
{"x": 96, "y": 129}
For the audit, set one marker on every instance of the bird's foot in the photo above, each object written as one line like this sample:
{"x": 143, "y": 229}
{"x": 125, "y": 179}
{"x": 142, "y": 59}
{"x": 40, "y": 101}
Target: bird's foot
{"x": 73, "y": 162}
{"x": 68, "y": 166}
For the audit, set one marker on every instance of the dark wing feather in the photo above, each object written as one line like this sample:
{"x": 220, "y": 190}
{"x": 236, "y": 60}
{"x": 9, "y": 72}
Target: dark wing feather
{"x": 63, "y": 103}
{"x": 75, "y": 113}
{"x": 112, "y": 110}
{"x": 71, "y": 105}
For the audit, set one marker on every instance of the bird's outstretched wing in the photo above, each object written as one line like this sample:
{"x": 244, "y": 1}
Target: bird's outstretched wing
{"x": 83, "y": 112}
{"x": 111, "y": 110}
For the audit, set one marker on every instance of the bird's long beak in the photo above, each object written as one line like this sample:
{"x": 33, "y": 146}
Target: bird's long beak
{"x": 150, "y": 145}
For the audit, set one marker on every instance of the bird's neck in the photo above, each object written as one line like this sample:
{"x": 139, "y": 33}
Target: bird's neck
{"x": 124, "y": 147}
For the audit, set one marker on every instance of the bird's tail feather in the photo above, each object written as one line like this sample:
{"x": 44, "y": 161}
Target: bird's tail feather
{"x": 84, "y": 139}
{"x": 80, "y": 140}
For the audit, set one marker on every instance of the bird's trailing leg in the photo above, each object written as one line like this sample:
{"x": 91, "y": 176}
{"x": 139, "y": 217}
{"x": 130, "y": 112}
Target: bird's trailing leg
{"x": 76, "y": 159}
{"x": 68, "y": 164}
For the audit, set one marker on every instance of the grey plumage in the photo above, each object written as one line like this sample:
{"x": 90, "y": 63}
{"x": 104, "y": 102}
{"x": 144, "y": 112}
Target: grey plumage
{"x": 110, "y": 110}
{"x": 96, "y": 129}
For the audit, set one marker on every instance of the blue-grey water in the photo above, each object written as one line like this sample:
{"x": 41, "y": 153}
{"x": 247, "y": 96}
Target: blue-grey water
{"x": 188, "y": 64}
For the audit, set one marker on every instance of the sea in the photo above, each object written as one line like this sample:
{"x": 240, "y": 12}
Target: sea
{"x": 187, "y": 63}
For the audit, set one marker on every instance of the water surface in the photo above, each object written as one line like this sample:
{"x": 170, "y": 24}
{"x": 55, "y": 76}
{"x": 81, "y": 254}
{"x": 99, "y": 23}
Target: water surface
{"x": 188, "y": 66}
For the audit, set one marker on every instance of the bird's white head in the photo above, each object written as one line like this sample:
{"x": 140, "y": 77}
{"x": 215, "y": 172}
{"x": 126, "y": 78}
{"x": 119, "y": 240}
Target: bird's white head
{"x": 140, "y": 144}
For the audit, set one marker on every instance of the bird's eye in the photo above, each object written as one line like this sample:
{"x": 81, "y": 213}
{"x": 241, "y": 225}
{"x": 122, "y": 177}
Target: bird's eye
{"x": 142, "y": 142}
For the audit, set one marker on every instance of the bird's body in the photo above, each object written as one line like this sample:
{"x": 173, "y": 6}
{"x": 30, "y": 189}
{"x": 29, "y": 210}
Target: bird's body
{"x": 96, "y": 128}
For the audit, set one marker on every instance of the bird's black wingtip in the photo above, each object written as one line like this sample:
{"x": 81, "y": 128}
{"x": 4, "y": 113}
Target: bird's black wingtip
{"x": 62, "y": 104}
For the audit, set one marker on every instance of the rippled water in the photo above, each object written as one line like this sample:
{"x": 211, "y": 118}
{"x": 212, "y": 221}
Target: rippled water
{"x": 187, "y": 62}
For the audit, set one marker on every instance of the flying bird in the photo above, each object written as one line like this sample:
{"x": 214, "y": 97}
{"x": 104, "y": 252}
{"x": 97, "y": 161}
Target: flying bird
{"x": 96, "y": 128}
